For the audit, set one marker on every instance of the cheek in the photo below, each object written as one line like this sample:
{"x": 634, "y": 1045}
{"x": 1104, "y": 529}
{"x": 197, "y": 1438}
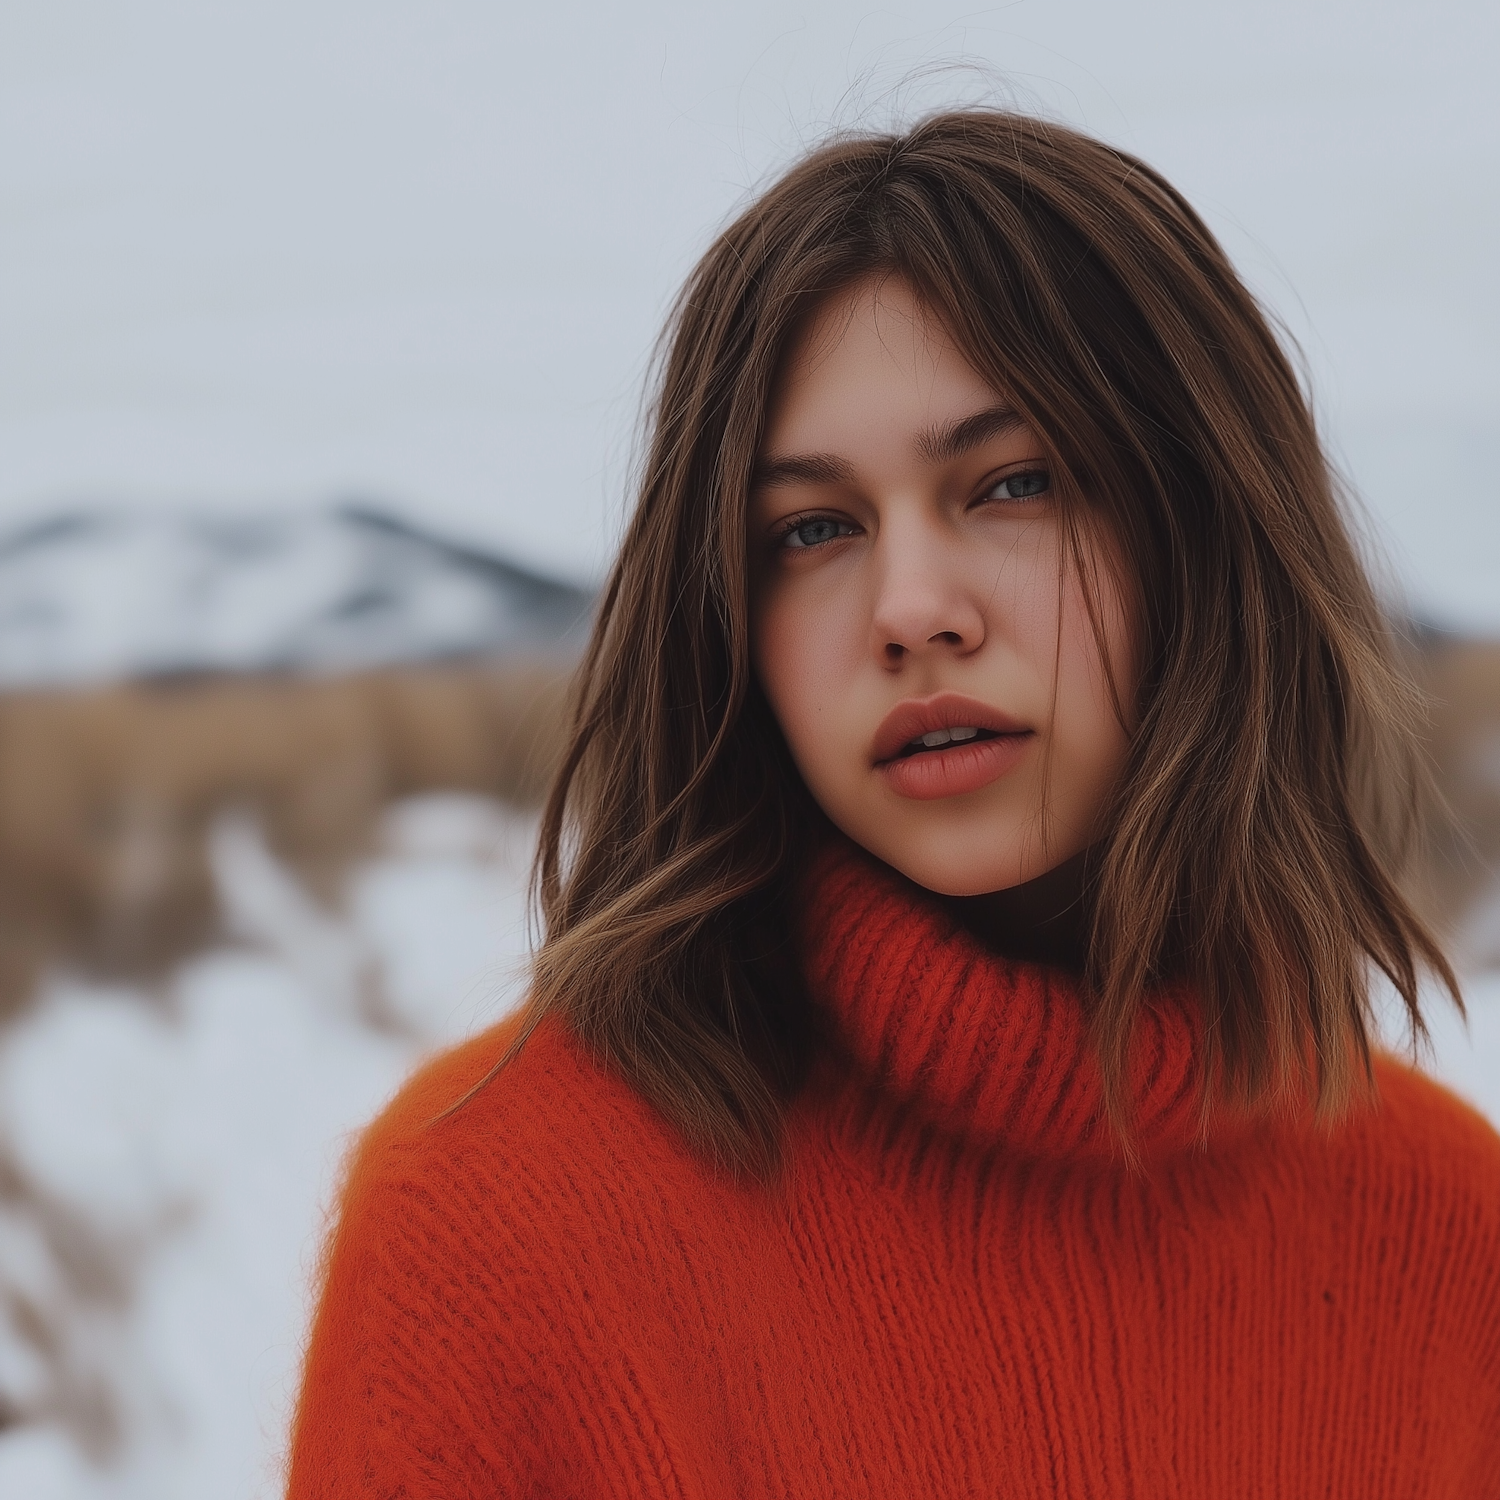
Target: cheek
{"x": 773, "y": 650}
{"x": 802, "y": 648}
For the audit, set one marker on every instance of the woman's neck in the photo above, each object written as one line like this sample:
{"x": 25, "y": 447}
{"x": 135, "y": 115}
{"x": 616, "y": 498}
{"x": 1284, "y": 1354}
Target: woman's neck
{"x": 1045, "y": 921}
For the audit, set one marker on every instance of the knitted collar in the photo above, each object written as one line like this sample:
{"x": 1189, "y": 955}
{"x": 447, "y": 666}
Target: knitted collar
{"x": 981, "y": 1045}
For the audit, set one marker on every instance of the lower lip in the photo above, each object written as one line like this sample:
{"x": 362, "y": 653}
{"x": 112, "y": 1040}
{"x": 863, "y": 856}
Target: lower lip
{"x": 955, "y": 769}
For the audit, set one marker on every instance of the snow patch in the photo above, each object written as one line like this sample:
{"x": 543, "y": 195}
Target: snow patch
{"x": 197, "y": 1135}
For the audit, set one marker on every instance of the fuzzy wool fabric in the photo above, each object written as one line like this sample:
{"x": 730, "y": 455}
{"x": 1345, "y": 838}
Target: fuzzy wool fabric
{"x": 955, "y": 1286}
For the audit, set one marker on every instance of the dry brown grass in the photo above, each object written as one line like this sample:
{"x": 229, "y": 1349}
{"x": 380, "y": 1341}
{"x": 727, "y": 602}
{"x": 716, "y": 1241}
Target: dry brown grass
{"x": 106, "y": 795}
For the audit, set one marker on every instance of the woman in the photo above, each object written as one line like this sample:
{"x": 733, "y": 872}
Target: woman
{"x": 949, "y": 1066}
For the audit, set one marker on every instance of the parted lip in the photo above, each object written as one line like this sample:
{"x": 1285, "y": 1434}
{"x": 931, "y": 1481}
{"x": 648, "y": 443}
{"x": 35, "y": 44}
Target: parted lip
{"x": 918, "y": 716}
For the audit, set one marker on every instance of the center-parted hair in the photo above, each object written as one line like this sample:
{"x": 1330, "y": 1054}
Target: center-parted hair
{"x": 1252, "y": 848}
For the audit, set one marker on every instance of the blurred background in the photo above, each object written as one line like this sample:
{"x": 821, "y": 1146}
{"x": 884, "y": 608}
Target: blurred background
{"x": 323, "y": 329}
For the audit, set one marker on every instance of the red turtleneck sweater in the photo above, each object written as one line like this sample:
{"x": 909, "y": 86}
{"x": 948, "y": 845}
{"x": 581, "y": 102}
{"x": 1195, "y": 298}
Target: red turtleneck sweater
{"x": 954, "y": 1288}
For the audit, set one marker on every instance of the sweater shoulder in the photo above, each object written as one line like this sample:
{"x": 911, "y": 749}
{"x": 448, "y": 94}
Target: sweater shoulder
{"x": 482, "y": 1221}
{"x": 470, "y": 1093}
{"x": 551, "y": 1146}
{"x": 1439, "y": 1143}
{"x": 470, "y": 1103}
{"x": 1433, "y": 1120}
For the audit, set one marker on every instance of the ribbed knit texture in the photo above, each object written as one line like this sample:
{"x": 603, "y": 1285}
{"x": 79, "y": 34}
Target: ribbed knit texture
{"x": 996, "y": 1051}
{"x": 955, "y": 1287}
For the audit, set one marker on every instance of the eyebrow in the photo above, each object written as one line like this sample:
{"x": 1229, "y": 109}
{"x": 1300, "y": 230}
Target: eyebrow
{"x": 937, "y": 445}
{"x": 802, "y": 468}
{"x": 941, "y": 445}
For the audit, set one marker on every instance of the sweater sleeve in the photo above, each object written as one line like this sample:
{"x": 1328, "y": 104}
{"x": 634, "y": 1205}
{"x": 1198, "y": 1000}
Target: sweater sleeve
{"x": 1484, "y": 1303}
{"x": 458, "y": 1349}
{"x": 1440, "y": 1159}
{"x": 1484, "y": 1482}
{"x": 427, "y": 1371}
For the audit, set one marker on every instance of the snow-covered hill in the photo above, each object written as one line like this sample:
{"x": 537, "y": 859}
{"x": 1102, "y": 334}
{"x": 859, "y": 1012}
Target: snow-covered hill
{"x": 94, "y": 595}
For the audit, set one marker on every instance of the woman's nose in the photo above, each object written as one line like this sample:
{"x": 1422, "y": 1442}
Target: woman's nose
{"x": 922, "y": 603}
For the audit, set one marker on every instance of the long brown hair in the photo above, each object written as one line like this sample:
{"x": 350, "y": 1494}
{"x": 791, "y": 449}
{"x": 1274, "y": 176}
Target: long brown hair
{"x": 1253, "y": 847}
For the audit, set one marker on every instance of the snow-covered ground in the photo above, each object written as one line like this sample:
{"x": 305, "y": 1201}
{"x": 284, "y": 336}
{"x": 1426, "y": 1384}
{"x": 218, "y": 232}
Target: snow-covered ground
{"x": 192, "y": 1138}
{"x": 1466, "y": 1055}
{"x": 196, "y": 1135}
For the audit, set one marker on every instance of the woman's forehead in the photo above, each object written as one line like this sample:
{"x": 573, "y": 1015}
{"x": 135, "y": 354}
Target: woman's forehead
{"x": 870, "y": 358}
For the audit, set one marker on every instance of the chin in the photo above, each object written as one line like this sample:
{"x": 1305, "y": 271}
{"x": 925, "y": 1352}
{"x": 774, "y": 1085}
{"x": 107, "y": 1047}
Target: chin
{"x": 975, "y": 884}
{"x": 955, "y": 867}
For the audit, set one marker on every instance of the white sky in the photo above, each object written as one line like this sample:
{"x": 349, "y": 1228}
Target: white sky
{"x": 271, "y": 251}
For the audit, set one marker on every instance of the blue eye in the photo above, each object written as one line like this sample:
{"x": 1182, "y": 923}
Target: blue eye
{"x": 1026, "y": 485}
{"x": 815, "y": 531}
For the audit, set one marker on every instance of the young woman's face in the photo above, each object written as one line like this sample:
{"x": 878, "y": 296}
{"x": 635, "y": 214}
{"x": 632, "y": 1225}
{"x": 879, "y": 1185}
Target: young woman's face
{"x": 918, "y": 622}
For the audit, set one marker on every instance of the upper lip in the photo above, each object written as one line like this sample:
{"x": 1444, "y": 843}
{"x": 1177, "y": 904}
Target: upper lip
{"x": 915, "y": 717}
